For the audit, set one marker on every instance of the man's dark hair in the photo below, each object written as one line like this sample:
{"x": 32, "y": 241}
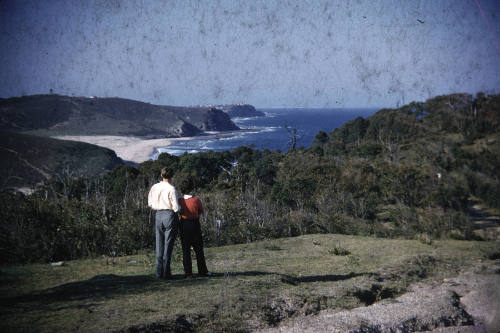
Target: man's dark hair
{"x": 167, "y": 173}
{"x": 186, "y": 185}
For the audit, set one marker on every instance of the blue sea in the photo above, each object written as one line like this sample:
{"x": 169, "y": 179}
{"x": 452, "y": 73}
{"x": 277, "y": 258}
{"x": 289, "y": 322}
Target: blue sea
{"x": 270, "y": 132}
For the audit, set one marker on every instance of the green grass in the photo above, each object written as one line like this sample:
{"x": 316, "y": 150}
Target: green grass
{"x": 255, "y": 285}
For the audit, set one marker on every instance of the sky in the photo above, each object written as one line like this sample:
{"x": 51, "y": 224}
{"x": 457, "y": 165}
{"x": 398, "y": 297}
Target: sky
{"x": 296, "y": 53}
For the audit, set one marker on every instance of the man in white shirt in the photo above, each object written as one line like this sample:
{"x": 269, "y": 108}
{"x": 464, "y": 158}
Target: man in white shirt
{"x": 163, "y": 198}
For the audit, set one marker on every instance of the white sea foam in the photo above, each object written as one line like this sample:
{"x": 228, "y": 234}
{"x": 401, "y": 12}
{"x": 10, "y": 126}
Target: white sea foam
{"x": 235, "y": 137}
{"x": 237, "y": 120}
{"x": 262, "y": 128}
{"x": 270, "y": 129}
{"x": 249, "y": 127}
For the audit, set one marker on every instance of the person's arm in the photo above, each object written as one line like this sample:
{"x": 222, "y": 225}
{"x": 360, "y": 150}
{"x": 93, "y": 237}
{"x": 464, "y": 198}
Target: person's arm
{"x": 201, "y": 210}
{"x": 150, "y": 197}
{"x": 173, "y": 200}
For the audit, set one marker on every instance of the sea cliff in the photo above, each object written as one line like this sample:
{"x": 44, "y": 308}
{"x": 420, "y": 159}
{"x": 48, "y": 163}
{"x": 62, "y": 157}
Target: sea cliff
{"x": 63, "y": 115}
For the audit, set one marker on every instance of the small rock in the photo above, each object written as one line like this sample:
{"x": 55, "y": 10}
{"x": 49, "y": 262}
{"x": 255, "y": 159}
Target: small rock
{"x": 59, "y": 263}
{"x": 131, "y": 262}
{"x": 451, "y": 282}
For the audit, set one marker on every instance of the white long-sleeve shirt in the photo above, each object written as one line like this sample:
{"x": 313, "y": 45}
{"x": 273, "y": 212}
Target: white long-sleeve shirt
{"x": 163, "y": 196}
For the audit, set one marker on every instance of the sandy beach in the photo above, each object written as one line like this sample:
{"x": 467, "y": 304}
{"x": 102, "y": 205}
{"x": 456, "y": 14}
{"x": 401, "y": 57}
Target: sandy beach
{"x": 128, "y": 148}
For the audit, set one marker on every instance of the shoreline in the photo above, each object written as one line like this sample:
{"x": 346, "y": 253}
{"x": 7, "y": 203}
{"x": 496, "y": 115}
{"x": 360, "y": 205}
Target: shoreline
{"x": 131, "y": 148}
{"x": 136, "y": 149}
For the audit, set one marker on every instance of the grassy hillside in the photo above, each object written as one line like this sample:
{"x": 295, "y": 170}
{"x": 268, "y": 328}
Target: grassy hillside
{"x": 255, "y": 285}
{"x": 26, "y": 160}
{"x": 64, "y": 115}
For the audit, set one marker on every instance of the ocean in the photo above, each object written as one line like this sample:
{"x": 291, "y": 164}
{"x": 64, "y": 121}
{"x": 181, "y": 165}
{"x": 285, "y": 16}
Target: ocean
{"x": 270, "y": 132}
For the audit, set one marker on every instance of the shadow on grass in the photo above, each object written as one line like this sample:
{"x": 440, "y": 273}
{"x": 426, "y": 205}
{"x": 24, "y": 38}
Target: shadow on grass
{"x": 293, "y": 280}
{"x": 111, "y": 285}
{"x": 102, "y": 286}
{"x": 319, "y": 278}
{"x": 246, "y": 273}
{"x": 330, "y": 277}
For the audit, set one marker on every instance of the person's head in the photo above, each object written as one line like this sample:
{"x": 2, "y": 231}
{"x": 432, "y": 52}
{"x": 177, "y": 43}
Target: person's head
{"x": 186, "y": 185}
{"x": 167, "y": 173}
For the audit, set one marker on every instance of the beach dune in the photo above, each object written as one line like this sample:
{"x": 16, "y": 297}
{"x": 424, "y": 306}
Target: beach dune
{"x": 128, "y": 148}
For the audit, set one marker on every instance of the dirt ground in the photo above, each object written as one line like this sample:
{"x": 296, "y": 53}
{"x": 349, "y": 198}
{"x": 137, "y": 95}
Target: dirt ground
{"x": 469, "y": 302}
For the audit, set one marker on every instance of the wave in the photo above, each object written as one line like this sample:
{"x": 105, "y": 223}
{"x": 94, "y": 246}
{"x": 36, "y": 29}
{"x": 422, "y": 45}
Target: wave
{"x": 237, "y": 120}
{"x": 235, "y": 137}
{"x": 262, "y": 128}
{"x": 227, "y": 142}
{"x": 270, "y": 129}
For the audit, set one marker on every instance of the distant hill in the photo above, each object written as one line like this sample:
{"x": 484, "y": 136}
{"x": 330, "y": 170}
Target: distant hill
{"x": 64, "y": 115}
{"x": 240, "y": 110}
{"x": 26, "y": 160}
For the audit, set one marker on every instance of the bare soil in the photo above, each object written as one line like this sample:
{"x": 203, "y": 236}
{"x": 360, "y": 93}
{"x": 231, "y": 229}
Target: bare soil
{"x": 469, "y": 302}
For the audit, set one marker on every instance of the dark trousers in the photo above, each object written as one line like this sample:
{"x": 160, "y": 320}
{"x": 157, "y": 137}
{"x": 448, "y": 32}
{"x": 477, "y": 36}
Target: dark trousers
{"x": 166, "y": 230}
{"x": 191, "y": 237}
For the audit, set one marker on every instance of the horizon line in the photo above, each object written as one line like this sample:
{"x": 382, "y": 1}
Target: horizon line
{"x": 203, "y": 105}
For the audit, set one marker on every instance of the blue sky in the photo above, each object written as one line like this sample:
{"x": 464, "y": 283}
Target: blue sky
{"x": 266, "y": 53}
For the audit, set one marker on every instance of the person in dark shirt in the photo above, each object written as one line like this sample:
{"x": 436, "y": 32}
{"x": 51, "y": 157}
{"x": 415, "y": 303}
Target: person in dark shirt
{"x": 190, "y": 229}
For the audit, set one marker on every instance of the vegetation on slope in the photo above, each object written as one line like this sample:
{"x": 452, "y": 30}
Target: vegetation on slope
{"x": 408, "y": 172}
{"x": 26, "y": 160}
{"x": 455, "y": 136}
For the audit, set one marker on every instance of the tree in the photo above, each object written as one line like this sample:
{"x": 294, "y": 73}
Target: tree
{"x": 292, "y": 134}
{"x": 320, "y": 138}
